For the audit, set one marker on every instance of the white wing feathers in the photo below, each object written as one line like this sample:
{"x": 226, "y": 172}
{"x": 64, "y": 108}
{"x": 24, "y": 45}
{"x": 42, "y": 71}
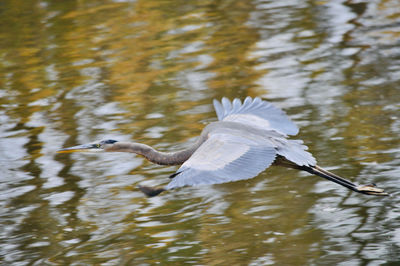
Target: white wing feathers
{"x": 255, "y": 112}
{"x": 224, "y": 158}
{"x": 296, "y": 152}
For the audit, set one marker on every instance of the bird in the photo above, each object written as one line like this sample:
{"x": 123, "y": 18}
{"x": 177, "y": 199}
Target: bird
{"x": 248, "y": 137}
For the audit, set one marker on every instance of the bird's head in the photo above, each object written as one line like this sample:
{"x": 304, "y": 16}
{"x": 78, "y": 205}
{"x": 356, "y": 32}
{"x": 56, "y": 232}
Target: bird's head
{"x": 103, "y": 145}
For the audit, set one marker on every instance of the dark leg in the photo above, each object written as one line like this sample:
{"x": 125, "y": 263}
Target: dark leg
{"x": 364, "y": 189}
{"x": 316, "y": 170}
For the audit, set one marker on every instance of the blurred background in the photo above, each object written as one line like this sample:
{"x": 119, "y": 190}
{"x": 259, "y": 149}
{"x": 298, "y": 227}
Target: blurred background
{"x": 73, "y": 72}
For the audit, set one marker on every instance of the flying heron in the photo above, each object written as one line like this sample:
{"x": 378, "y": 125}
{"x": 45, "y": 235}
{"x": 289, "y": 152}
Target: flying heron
{"x": 247, "y": 138}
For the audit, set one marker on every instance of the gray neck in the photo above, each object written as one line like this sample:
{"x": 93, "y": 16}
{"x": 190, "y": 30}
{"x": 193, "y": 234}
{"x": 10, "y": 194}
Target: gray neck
{"x": 158, "y": 157}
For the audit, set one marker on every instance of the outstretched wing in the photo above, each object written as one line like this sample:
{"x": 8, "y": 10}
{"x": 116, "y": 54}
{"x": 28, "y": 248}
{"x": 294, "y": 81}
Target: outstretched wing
{"x": 224, "y": 157}
{"x": 255, "y": 112}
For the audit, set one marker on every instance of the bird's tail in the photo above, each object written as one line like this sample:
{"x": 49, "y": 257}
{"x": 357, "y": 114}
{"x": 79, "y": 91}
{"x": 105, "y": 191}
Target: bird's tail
{"x": 316, "y": 170}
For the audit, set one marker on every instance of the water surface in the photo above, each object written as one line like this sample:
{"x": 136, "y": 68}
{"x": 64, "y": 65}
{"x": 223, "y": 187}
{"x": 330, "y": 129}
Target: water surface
{"x": 73, "y": 72}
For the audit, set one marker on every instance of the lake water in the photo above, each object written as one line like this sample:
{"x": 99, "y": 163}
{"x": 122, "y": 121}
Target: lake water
{"x": 73, "y": 72}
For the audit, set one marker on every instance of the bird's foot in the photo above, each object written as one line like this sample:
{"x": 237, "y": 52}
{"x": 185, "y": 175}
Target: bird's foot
{"x": 151, "y": 191}
{"x": 371, "y": 189}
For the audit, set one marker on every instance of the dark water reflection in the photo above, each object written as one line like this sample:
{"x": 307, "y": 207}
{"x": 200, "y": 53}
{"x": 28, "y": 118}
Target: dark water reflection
{"x": 76, "y": 71}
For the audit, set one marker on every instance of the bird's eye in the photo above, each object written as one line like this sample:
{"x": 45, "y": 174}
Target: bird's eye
{"x": 98, "y": 145}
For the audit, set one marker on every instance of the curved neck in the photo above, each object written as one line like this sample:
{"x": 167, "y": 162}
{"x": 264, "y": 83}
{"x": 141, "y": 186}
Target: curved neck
{"x": 151, "y": 154}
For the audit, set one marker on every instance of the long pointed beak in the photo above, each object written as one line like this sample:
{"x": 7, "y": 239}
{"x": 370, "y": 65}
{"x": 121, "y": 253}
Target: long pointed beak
{"x": 92, "y": 147}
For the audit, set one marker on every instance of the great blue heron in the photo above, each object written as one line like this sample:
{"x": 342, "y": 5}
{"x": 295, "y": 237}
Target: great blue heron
{"x": 247, "y": 138}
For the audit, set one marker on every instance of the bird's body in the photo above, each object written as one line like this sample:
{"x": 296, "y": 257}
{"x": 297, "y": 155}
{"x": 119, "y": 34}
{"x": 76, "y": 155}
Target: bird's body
{"x": 247, "y": 139}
